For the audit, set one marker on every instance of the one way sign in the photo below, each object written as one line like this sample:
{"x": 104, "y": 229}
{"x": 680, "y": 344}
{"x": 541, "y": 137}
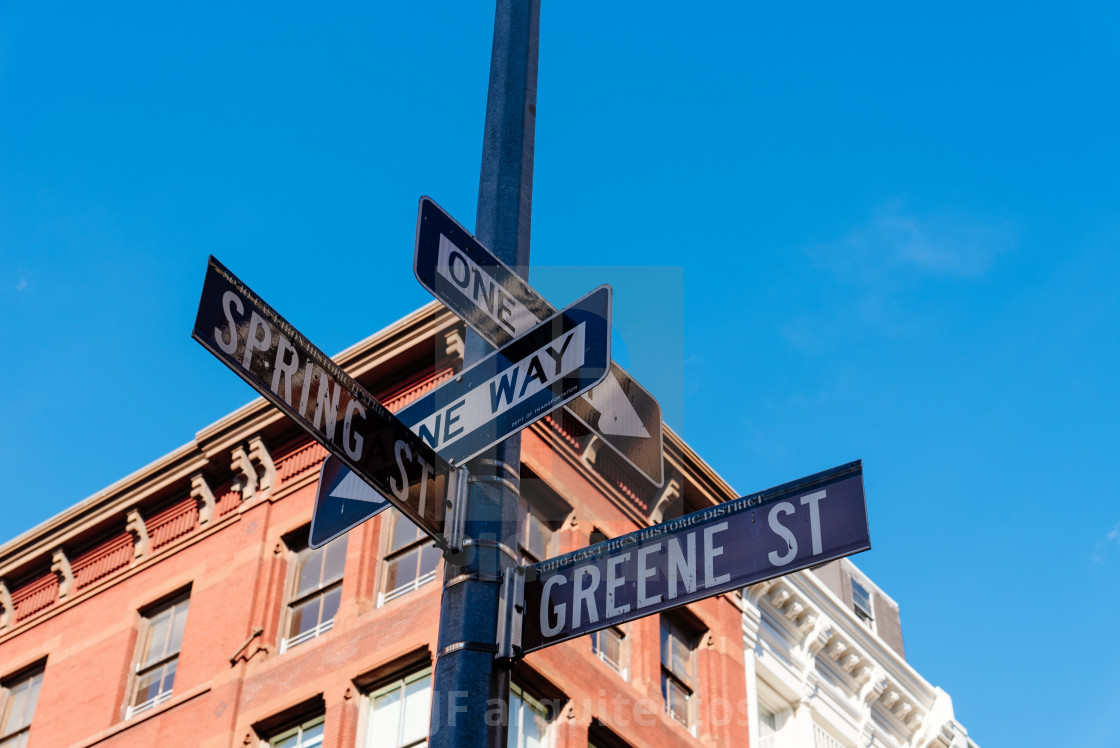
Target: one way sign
{"x": 500, "y": 306}
{"x": 524, "y": 380}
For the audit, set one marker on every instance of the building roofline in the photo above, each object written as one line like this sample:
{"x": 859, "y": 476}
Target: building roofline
{"x": 178, "y": 465}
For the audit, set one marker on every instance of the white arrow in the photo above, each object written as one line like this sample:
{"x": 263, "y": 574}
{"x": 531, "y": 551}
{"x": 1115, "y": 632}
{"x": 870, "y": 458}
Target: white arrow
{"x": 617, "y": 415}
{"x": 353, "y": 487}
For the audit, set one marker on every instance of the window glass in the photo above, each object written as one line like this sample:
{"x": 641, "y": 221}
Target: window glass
{"x": 538, "y": 519}
{"x": 676, "y": 698}
{"x": 161, "y": 637}
{"x": 609, "y": 646}
{"x": 767, "y": 728}
{"x": 401, "y": 712}
{"x": 676, "y": 650}
{"x": 19, "y": 708}
{"x": 404, "y": 532}
{"x": 411, "y": 562}
{"x": 677, "y": 667}
{"x": 315, "y": 592}
{"x": 528, "y": 720}
{"x": 861, "y": 600}
{"x": 307, "y": 735}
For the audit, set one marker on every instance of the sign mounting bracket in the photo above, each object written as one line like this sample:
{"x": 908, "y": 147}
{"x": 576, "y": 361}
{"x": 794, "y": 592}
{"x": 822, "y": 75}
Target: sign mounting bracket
{"x": 511, "y": 610}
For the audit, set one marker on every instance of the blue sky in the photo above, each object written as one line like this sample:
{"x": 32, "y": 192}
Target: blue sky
{"x": 834, "y": 232}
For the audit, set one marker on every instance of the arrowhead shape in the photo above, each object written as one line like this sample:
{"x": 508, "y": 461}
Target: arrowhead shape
{"x": 353, "y": 487}
{"x": 617, "y": 416}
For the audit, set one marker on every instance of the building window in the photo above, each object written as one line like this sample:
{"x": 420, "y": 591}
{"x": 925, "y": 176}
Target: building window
{"x": 861, "y": 601}
{"x": 411, "y": 561}
{"x": 400, "y": 712}
{"x": 541, "y": 514}
{"x": 314, "y": 592}
{"x": 609, "y": 645}
{"x": 767, "y": 728}
{"x": 678, "y": 668}
{"x": 528, "y": 720}
{"x": 17, "y": 707}
{"x": 307, "y": 735}
{"x": 161, "y": 636}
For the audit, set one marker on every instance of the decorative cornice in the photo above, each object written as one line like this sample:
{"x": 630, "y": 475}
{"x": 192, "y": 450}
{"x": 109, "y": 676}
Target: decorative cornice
{"x": 141, "y": 543}
{"x": 60, "y": 565}
{"x": 7, "y": 609}
{"x": 670, "y": 494}
{"x": 245, "y": 475}
{"x": 200, "y": 492}
{"x": 453, "y": 345}
{"x": 258, "y": 453}
{"x": 896, "y": 701}
{"x": 591, "y": 449}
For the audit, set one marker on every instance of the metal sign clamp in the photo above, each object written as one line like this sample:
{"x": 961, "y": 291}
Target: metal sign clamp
{"x": 455, "y": 528}
{"x": 511, "y": 611}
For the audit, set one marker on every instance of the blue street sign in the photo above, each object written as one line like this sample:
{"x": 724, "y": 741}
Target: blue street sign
{"x": 525, "y": 380}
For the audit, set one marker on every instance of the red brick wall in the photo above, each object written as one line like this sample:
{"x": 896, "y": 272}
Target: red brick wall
{"x": 236, "y": 569}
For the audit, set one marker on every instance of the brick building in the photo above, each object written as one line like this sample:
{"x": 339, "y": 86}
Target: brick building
{"x": 182, "y": 607}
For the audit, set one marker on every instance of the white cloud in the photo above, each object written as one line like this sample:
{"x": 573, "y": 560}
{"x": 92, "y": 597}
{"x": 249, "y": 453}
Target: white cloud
{"x": 895, "y": 242}
{"x": 22, "y": 284}
{"x": 1111, "y": 538}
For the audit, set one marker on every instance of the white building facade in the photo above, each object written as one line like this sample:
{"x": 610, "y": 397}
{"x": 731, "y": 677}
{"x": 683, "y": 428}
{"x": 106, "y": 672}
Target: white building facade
{"x": 825, "y": 668}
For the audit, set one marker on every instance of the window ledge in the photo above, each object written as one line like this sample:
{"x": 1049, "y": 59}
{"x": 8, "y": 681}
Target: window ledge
{"x": 147, "y": 714}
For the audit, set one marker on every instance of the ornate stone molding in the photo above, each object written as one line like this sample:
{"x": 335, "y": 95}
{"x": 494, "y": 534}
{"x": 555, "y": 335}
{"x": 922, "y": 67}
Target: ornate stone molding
{"x": 453, "y": 344}
{"x": 7, "y": 609}
{"x": 873, "y": 689}
{"x": 141, "y": 543}
{"x": 245, "y": 475}
{"x": 669, "y": 495}
{"x": 897, "y": 702}
{"x": 200, "y": 492}
{"x": 846, "y": 658}
{"x": 259, "y": 454}
{"x": 792, "y": 607}
{"x": 591, "y": 449}
{"x": 60, "y": 565}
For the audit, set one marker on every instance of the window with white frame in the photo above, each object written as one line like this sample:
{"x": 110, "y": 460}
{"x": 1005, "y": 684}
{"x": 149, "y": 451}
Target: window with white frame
{"x": 314, "y": 591}
{"x": 767, "y": 727}
{"x": 157, "y": 655}
{"x": 678, "y": 668}
{"x": 412, "y": 559}
{"x": 610, "y": 646}
{"x": 400, "y": 712}
{"x": 528, "y": 721}
{"x": 17, "y": 707}
{"x": 308, "y": 734}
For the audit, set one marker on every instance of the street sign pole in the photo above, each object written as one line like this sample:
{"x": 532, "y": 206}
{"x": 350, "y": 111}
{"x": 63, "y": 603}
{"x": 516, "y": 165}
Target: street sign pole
{"x": 468, "y": 682}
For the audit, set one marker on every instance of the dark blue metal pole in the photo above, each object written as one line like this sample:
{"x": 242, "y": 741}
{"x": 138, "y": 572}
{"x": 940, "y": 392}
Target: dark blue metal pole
{"x": 470, "y": 691}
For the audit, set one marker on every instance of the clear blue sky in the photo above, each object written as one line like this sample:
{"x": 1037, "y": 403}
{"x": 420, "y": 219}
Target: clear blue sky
{"x": 881, "y": 231}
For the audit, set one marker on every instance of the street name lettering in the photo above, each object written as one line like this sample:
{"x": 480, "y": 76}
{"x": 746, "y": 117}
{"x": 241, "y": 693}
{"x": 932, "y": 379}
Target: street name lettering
{"x": 500, "y": 306}
{"x": 725, "y": 547}
{"x": 259, "y": 345}
{"x": 523, "y": 381}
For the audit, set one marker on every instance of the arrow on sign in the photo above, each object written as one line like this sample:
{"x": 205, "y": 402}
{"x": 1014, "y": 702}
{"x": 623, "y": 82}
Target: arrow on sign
{"x": 354, "y": 488}
{"x": 617, "y": 416}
